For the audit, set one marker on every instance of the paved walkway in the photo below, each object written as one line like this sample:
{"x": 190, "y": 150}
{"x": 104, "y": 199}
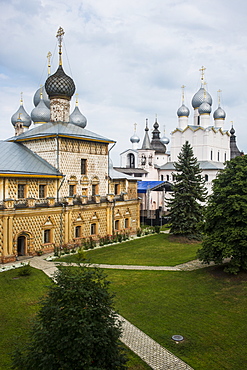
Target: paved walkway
{"x": 156, "y": 356}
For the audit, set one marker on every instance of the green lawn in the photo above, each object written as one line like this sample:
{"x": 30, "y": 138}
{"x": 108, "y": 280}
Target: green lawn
{"x": 18, "y": 304}
{"x": 153, "y": 250}
{"x": 19, "y": 298}
{"x": 207, "y": 307}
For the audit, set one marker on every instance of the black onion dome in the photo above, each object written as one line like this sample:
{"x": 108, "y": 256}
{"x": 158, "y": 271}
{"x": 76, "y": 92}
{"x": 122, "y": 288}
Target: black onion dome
{"x": 60, "y": 85}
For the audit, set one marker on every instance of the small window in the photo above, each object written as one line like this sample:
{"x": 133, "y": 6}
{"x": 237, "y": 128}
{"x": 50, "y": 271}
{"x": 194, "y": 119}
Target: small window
{"x": 93, "y": 229}
{"x": 167, "y": 177}
{"x": 162, "y": 177}
{"x": 47, "y": 236}
{"x": 225, "y": 157}
{"x": 77, "y": 231}
{"x": 206, "y": 177}
{"x": 117, "y": 189}
{"x": 211, "y": 155}
{"x": 127, "y": 223}
{"x": 173, "y": 177}
{"x": 71, "y": 190}
{"x": 21, "y": 191}
{"x": 42, "y": 191}
{"x": 83, "y": 166}
{"x": 95, "y": 189}
{"x": 131, "y": 160}
{"x": 218, "y": 156}
{"x": 117, "y": 225}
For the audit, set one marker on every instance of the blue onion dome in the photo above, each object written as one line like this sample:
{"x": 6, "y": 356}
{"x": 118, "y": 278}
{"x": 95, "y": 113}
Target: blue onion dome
{"x": 77, "y": 118}
{"x": 41, "y": 114}
{"x": 219, "y": 113}
{"x": 60, "y": 85}
{"x": 199, "y": 98}
{"x": 204, "y": 108}
{"x": 23, "y": 115}
{"x": 183, "y": 111}
{"x": 134, "y": 139}
{"x": 36, "y": 98}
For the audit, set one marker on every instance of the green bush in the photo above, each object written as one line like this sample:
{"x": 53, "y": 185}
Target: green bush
{"x": 26, "y": 270}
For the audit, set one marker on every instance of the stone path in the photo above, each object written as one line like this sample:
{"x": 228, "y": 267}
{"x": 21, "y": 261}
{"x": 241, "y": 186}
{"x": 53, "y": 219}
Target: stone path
{"x": 156, "y": 356}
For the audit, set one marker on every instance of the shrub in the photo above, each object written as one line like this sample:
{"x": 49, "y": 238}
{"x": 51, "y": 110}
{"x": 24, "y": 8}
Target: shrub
{"x": 25, "y": 270}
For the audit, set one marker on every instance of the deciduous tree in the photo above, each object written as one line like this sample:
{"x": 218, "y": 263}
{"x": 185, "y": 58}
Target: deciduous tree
{"x": 226, "y": 217}
{"x": 76, "y": 327}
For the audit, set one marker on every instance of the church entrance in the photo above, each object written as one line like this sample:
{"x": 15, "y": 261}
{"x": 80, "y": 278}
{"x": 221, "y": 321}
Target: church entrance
{"x": 21, "y": 245}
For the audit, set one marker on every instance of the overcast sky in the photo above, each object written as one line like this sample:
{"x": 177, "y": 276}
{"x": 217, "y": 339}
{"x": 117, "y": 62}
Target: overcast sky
{"x": 128, "y": 60}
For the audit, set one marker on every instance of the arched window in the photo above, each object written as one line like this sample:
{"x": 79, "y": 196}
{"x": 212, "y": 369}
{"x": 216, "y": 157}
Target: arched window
{"x": 206, "y": 177}
{"x": 131, "y": 160}
{"x": 162, "y": 177}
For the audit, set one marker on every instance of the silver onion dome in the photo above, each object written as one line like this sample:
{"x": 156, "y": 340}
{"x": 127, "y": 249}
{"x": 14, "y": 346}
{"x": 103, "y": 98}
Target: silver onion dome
{"x": 204, "y": 108}
{"x": 41, "y": 114}
{"x": 219, "y": 113}
{"x": 77, "y": 118}
{"x": 36, "y": 98}
{"x": 165, "y": 140}
{"x": 134, "y": 139}
{"x": 23, "y": 115}
{"x": 200, "y": 97}
{"x": 183, "y": 111}
{"x": 60, "y": 85}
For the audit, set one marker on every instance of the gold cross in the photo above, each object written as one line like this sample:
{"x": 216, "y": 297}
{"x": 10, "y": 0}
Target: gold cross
{"x": 59, "y": 36}
{"x": 49, "y": 62}
{"x": 202, "y": 70}
{"x": 182, "y": 87}
{"x": 219, "y": 91}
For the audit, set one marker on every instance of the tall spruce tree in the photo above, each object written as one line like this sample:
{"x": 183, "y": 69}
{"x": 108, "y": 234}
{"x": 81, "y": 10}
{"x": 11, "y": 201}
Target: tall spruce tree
{"x": 186, "y": 210}
{"x": 225, "y": 225}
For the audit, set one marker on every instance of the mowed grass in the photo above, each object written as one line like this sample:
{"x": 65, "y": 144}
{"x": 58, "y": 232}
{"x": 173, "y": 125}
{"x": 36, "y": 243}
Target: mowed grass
{"x": 207, "y": 307}
{"x": 19, "y": 298}
{"x": 152, "y": 250}
{"x": 19, "y": 302}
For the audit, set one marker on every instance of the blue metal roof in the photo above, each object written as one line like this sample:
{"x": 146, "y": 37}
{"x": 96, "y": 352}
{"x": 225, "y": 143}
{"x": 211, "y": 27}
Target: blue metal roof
{"x": 144, "y": 186}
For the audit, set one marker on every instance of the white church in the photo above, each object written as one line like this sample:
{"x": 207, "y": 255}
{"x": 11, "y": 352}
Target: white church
{"x": 212, "y": 145}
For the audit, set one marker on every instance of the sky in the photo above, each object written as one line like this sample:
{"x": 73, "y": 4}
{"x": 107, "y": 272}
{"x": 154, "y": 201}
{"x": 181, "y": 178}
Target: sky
{"x": 128, "y": 60}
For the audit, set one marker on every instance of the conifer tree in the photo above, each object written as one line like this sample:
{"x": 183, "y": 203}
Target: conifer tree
{"x": 225, "y": 225}
{"x": 186, "y": 210}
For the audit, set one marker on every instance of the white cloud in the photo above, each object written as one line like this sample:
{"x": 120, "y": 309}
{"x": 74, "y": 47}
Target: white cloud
{"x": 128, "y": 58}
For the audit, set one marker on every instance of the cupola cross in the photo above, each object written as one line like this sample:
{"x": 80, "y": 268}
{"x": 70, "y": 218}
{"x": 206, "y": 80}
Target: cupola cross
{"x": 59, "y": 36}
